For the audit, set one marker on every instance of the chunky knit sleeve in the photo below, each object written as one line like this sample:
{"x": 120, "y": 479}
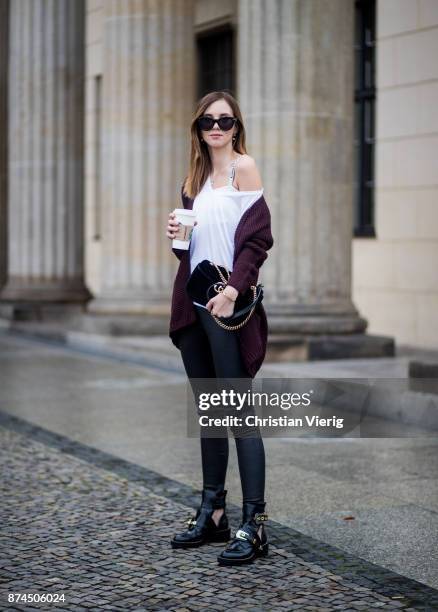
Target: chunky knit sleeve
{"x": 252, "y": 241}
{"x": 178, "y": 252}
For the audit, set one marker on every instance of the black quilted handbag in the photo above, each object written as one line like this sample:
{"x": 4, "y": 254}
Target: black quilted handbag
{"x": 208, "y": 279}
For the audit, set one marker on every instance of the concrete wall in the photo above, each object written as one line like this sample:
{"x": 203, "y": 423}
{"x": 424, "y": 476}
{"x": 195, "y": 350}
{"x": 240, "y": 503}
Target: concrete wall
{"x": 395, "y": 275}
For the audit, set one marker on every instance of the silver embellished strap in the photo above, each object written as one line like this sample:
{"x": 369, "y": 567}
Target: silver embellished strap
{"x": 233, "y": 171}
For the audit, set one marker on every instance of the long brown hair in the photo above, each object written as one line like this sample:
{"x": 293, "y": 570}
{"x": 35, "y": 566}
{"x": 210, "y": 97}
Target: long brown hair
{"x": 200, "y": 162}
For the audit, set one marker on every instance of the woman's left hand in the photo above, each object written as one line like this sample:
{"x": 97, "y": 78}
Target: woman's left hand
{"x": 220, "y": 306}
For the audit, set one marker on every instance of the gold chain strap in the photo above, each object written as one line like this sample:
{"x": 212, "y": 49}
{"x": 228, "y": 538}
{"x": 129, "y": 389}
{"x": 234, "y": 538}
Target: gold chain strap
{"x": 242, "y": 323}
{"x": 225, "y": 280}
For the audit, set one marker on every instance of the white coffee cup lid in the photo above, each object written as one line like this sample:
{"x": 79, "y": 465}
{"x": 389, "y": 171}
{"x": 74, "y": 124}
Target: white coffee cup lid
{"x": 185, "y": 211}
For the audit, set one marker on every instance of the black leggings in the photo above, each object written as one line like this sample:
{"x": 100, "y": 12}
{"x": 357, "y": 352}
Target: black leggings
{"x": 209, "y": 351}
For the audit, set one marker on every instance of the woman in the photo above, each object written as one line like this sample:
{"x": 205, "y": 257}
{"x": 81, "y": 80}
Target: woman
{"x": 233, "y": 229}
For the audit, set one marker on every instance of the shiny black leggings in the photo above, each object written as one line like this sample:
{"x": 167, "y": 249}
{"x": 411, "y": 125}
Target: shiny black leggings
{"x": 209, "y": 351}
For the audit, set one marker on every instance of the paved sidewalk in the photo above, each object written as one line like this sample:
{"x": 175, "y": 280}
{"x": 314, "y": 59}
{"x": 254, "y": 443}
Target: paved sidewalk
{"x": 98, "y": 473}
{"x": 81, "y": 522}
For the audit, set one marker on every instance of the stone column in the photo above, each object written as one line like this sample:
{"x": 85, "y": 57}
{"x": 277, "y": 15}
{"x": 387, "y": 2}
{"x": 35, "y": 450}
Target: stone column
{"x": 45, "y": 146}
{"x": 148, "y": 100}
{"x": 295, "y": 86}
{"x": 4, "y": 21}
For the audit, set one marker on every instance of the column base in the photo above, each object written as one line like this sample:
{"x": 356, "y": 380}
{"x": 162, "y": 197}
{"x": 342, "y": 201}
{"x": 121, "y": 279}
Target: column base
{"x": 42, "y": 300}
{"x": 128, "y": 314}
{"x": 42, "y": 312}
{"x": 307, "y": 332}
{"x": 142, "y": 325}
{"x": 142, "y": 303}
{"x": 300, "y": 319}
{"x": 292, "y": 347}
{"x": 44, "y": 291}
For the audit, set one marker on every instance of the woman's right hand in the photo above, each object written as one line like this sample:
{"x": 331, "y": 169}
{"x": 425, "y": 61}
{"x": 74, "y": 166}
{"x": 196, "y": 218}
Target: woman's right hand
{"x": 172, "y": 226}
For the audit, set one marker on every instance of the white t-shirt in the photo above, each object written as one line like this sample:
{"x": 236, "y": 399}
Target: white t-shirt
{"x": 218, "y": 212}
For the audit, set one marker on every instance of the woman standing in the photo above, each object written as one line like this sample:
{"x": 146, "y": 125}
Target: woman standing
{"x": 233, "y": 229}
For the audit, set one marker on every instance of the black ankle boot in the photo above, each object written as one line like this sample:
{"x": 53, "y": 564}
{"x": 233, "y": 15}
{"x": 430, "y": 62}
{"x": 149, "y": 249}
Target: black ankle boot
{"x": 247, "y": 545}
{"x": 201, "y": 527}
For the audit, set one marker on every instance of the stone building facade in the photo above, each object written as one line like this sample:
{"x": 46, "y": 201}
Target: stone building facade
{"x": 96, "y": 101}
{"x": 395, "y": 275}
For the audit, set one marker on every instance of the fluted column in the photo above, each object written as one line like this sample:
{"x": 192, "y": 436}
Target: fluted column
{"x": 45, "y": 144}
{"x": 4, "y": 22}
{"x": 148, "y": 98}
{"x": 295, "y": 86}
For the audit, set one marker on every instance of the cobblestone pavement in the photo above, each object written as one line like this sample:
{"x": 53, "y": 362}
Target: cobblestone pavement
{"x": 96, "y": 528}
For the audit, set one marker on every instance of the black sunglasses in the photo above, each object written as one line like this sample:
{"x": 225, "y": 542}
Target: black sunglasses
{"x": 225, "y": 123}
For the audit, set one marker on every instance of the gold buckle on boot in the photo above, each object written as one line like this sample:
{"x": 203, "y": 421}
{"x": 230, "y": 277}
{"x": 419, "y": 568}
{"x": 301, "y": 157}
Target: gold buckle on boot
{"x": 260, "y": 517}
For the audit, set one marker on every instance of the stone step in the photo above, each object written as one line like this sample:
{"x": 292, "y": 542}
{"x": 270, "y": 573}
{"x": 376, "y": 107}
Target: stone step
{"x": 394, "y": 396}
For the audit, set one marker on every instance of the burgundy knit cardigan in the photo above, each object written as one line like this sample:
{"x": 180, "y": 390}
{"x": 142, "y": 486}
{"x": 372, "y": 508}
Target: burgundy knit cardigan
{"x": 252, "y": 240}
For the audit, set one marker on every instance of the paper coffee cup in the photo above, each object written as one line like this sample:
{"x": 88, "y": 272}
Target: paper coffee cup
{"x": 186, "y": 218}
